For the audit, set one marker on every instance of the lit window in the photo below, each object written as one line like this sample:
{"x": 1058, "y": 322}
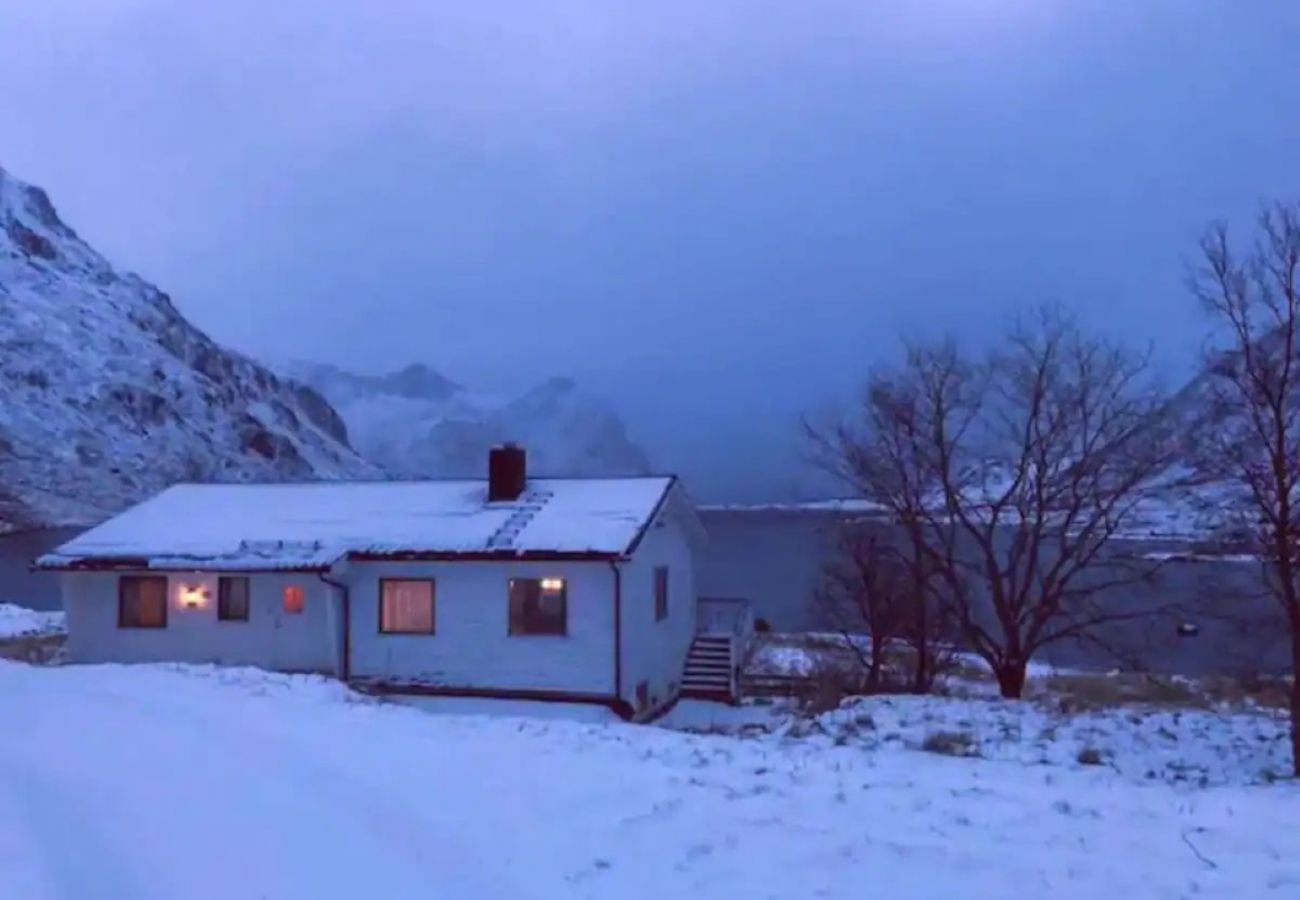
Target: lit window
{"x": 293, "y": 599}
{"x": 538, "y": 606}
{"x": 142, "y": 601}
{"x": 406, "y": 606}
{"x": 661, "y": 593}
{"x": 232, "y": 598}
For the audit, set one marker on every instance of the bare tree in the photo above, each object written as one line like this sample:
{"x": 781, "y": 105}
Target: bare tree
{"x": 926, "y": 626}
{"x": 878, "y": 454}
{"x": 863, "y": 590}
{"x": 871, "y": 586}
{"x": 1011, "y": 477}
{"x": 1253, "y": 395}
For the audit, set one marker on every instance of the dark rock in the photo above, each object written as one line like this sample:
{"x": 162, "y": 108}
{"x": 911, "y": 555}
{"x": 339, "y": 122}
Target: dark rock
{"x": 30, "y": 242}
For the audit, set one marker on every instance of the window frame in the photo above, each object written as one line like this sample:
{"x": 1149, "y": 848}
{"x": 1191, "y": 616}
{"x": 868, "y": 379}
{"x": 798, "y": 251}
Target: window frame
{"x": 222, "y": 599}
{"x": 122, "y": 581}
{"x": 510, "y": 612}
{"x": 661, "y": 589}
{"x": 433, "y": 607}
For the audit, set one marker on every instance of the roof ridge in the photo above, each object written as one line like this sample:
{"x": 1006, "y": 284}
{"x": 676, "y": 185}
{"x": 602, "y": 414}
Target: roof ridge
{"x": 371, "y": 482}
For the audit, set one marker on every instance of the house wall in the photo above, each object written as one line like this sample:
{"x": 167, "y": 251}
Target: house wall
{"x": 655, "y": 652}
{"x": 270, "y": 638}
{"x": 472, "y": 647}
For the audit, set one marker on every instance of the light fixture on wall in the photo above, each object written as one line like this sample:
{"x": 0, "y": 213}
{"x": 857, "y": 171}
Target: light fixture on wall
{"x": 193, "y": 596}
{"x": 552, "y": 584}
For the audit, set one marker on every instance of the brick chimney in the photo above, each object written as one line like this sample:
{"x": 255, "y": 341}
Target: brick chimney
{"x": 507, "y": 472}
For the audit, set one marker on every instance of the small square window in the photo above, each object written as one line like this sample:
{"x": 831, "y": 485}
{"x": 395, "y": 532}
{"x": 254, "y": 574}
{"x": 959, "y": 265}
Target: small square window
{"x": 406, "y": 606}
{"x": 661, "y": 593}
{"x": 538, "y": 606}
{"x": 232, "y": 598}
{"x": 142, "y": 601}
{"x": 293, "y": 599}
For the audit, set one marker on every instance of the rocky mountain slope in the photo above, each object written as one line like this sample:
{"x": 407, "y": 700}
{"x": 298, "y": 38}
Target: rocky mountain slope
{"x": 108, "y": 394}
{"x": 415, "y": 422}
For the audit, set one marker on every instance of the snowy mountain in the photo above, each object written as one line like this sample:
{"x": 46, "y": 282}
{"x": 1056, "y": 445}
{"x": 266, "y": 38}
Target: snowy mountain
{"x": 416, "y": 422}
{"x": 107, "y": 393}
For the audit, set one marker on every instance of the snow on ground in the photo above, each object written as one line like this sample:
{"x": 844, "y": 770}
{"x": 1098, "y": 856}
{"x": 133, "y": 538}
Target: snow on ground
{"x": 531, "y": 709}
{"x": 19, "y": 621}
{"x": 1137, "y": 743}
{"x": 171, "y": 781}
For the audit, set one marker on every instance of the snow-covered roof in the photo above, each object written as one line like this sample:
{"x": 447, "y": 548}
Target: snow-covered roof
{"x": 310, "y": 526}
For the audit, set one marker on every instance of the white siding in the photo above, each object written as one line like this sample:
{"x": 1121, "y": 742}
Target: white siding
{"x": 655, "y": 651}
{"x": 270, "y": 638}
{"x": 471, "y": 647}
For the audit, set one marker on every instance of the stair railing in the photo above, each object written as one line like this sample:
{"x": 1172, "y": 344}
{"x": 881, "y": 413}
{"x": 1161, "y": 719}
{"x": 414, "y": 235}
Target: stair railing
{"x": 732, "y": 618}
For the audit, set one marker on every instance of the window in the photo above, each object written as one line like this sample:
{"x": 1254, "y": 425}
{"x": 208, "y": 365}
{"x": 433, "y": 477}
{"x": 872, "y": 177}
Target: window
{"x": 661, "y": 593}
{"x": 537, "y": 606}
{"x": 142, "y": 601}
{"x": 232, "y": 598}
{"x": 293, "y": 599}
{"x": 406, "y": 606}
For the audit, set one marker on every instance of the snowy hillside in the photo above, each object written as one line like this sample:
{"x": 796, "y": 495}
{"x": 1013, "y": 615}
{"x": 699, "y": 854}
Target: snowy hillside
{"x": 170, "y": 781}
{"x": 415, "y": 422}
{"x": 108, "y": 394}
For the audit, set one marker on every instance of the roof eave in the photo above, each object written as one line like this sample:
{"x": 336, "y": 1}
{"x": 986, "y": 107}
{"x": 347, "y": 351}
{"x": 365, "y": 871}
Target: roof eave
{"x": 143, "y": 564}
{"x": 649, "y": 520}
{"x": 483, "y": 556}
{"x": 120, "y": 564}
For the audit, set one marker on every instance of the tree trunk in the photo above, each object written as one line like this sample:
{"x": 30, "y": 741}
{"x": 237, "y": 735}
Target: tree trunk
{"x": 1295, "y": 698}
{"x": 922, "y": 677}
{"x": 1295, "y": 723}
{"x": 1011, "y": 679}
{"x": 877, "y": 657}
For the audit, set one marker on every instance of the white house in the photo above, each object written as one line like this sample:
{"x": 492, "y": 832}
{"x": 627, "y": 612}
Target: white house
{"x": 550, "y": 588}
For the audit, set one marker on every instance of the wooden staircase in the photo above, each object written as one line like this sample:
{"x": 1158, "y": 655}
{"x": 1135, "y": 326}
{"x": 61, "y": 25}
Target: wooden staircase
{"x": 724, "y": 630}
{"x": 710, "y": 672}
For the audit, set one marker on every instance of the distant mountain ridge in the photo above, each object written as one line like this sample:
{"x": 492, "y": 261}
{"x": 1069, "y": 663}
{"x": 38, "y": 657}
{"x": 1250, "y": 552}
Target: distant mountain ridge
{"x": 108, "y": 394}
{"x": 416, "y": 422}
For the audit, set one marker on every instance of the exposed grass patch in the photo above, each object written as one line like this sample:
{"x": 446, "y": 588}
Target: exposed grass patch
{"x": 1270, "y": 692}
{"x": 1086, "y": 692}
{"x": 1081, "y": 692}
{"x": 822, "y": 669}
{"x": 1090, "y": 756}
{"x": 39, "y": 649}
{"x": 950, "y": 743}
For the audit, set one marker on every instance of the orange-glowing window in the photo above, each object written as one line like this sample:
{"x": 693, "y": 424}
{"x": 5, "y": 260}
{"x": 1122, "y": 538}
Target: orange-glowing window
{"x": 293, "y": 599}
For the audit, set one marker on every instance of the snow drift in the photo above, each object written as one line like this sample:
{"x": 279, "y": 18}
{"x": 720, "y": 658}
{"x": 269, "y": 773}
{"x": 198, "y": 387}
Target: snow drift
{"x": 157, "y": 781}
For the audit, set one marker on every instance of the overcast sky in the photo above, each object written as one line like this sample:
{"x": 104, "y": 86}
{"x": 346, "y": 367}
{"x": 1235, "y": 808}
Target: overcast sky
{"x": 715, "y": 214}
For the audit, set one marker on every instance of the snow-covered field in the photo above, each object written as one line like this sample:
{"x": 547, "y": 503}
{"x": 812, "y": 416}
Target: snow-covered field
{"x": 18, "y": 621}
{"x": 164, "y": 782}
{"x": 1139, "y": 744}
